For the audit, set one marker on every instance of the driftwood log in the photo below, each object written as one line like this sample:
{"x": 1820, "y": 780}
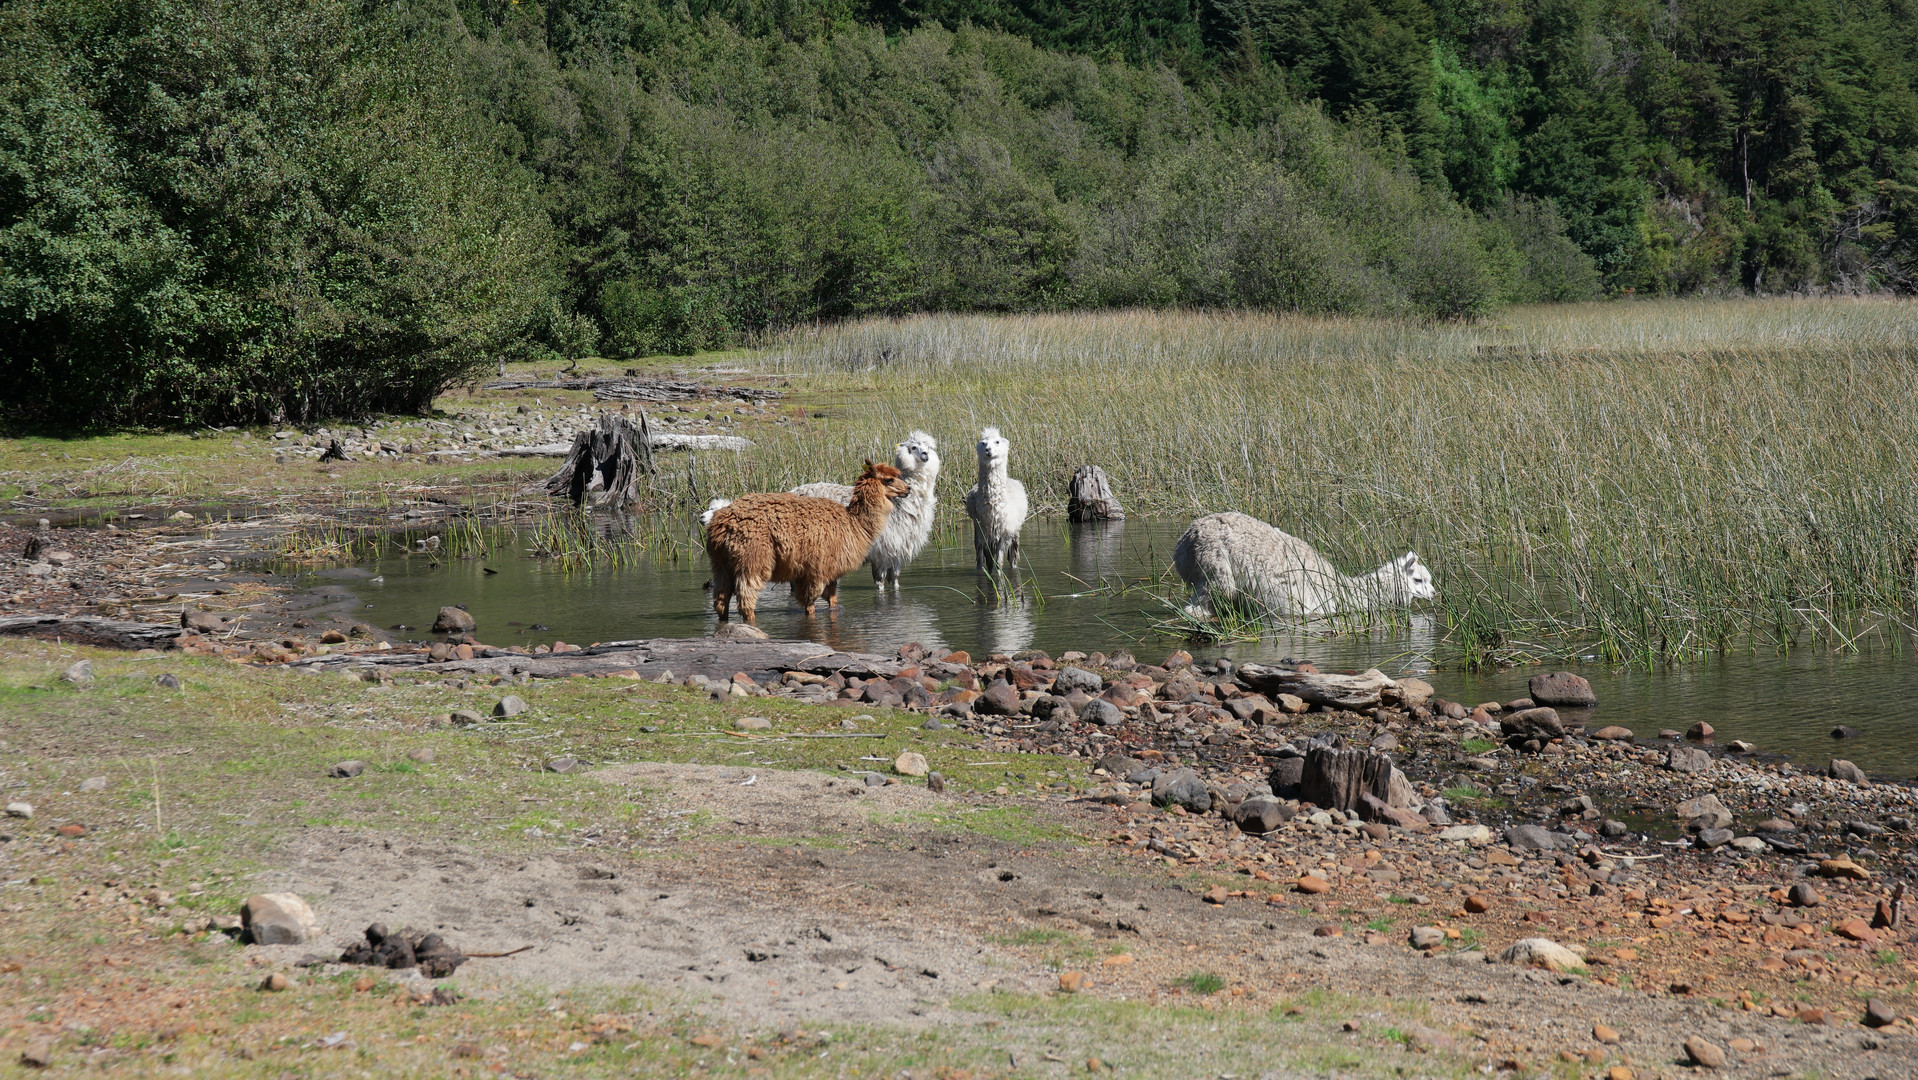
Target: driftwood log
{"x": 93, "y": 630}
{"x": 648, "y": 658}
{"x": 1089, "y": 497}
{"x": 1362, "y": 691}
{"x": 613, "y": 458}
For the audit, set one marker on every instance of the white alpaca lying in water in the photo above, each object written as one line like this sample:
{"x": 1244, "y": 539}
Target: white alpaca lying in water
{"x": 997, "y": 507}
{"x": 1227, "y": 557}
{"x": 907, "y": 530}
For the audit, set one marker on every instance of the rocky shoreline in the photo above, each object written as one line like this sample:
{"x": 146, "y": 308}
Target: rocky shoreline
{"x": 1664, "y": 864}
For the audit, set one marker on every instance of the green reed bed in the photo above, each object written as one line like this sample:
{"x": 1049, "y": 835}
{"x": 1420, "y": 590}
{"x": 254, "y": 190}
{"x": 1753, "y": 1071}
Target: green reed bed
{"x": 1634, "y": 480}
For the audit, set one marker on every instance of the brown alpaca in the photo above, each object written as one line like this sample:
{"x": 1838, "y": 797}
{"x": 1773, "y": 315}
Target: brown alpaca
{"x": 809, "y": 542}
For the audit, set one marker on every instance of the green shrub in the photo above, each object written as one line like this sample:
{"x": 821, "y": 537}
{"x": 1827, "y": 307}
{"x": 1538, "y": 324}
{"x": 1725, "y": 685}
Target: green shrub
{"x": 245, "y": 211}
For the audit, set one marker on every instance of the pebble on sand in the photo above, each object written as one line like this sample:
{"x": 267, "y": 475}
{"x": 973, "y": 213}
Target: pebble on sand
{"x": 1704, "y": 1053}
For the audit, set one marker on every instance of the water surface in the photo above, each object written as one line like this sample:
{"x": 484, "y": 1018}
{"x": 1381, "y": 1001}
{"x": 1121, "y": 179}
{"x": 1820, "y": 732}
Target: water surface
{"x": 1097, "y": 588}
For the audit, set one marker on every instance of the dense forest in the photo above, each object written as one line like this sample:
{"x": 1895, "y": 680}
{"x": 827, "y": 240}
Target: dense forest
{"x": 264, "y": 210}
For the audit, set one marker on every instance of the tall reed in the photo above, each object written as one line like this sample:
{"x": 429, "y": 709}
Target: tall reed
{"x": 1642, "y": 480}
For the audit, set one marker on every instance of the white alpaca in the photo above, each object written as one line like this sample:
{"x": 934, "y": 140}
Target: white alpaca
{"x": 907, "y": 530}
{"x": 910, "y": 525}
{"x": 1232, "y": 556}
{"x": 997, "y": 507}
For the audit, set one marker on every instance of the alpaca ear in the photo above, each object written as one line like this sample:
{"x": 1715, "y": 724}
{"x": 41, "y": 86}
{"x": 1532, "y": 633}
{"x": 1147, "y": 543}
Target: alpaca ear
{"x": 1410, "y": 559}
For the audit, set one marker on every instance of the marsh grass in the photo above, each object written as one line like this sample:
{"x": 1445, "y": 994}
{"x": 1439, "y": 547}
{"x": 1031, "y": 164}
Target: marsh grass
{"x": 1634, "y": 482}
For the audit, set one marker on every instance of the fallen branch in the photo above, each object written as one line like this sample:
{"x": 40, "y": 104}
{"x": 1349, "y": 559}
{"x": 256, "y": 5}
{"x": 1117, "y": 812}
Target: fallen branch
{"x": 497, "y": 955}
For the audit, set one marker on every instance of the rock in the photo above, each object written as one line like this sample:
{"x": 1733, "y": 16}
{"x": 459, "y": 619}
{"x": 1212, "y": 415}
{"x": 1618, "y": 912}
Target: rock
{"x": 93, "y": 783}
{"x": 1843, "y": 868}
{"x": 38, "y": 1054}
{"x": 278, "y": 919}
{"x": 1751, "y": 845}
{"x": 1470, "y": 834}
{"x": 1562, "y": 688}
{"x": 1409, "y": 693}
{"x": 1845, "y": 770}
{"x": 275, "y": 982}
{"x": 1478, "y": 903}
{"x": 1775, "y": 825}
{"x": 454, "y": 620}
{"x": 1530, "y": 838}
{"x": 1704, "y": 1054}
{"x": 752, "y": 723}
{"x": 1328, "y": 930}
{"x": 1101, "y": 712}
{"x": 1539, "y": 721}
{"x": 346, "y": 770}
{"x": 510, "y": 705}
{"x": 1076, "y": 678}
{"x": 1613, "y": 733}
{"x": 202, "y": 622}
{"x": 562, "y": 764}
{"x": 465, "y": 718}
{"x": 911, "y": 763}
{"x": 1261, "y": 814}
{"x": 1287, "y": 776}
{"x": 1688, "y": 759}
{"x": 1181, "y": 788}
{"x": 1706, "y": 812}
{"x": 1854, "y": 930}
{"x": 1803, "y": 895}
{"x": 1613, "y": 829}
{"x": 1542, "y": 952}
{"x": 935, "y": 781}
{"x": 424, "y": 755}
{"x": 167, "y": 681}
{"x": 79, "y": 673}
{"x": 1313, "y": 885}
{"x": 1291, "y": 703}
{"x": 1878, "y": 1014}
{"x": 732, "y": 630}
{"x": 1740, "y": 746}
{"x": 1605, "y": 1034}
{"x": 1714, "y": 838}
{"x": 1700, "y": 732}
{"x": 1215, "y": 895}
{"x": 1071, "y": 982}
{"x": 1000, "y": 699}
{"x": 1843, "y": 732}
{"x": 20, "y": 809}
{"x": 1426, "y": 938}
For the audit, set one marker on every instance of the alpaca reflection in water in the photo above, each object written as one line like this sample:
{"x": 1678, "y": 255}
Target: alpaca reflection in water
{"x": 1006, "y": 626}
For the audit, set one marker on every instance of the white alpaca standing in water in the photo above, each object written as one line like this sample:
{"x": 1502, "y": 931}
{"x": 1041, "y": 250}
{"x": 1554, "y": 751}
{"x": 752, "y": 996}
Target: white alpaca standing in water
{"x": 910, "y": 525}
{"x": 997, "y": 507}
{"x": 1231, "y": 556}
{"x": 907, "y": 530}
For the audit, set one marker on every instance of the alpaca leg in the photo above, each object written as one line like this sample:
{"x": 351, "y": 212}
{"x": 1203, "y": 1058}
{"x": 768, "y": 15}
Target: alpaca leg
{"x": 878, "y": 575}
{"x": 1200, "y": 606}
{"x": 749, "y": 599}
{"x": 806, "y": 593}
{"x": 832, "y": 593}
{"x": 723, "y": 589}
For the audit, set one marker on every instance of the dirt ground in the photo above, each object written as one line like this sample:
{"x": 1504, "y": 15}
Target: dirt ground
{"x": 899, "y": 923}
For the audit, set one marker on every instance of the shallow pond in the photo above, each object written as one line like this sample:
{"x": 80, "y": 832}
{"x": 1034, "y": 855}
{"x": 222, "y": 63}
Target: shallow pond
{"x": 1097, "y": 588}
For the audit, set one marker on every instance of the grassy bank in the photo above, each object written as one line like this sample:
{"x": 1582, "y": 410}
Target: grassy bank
{"x": 1643, "y": 480}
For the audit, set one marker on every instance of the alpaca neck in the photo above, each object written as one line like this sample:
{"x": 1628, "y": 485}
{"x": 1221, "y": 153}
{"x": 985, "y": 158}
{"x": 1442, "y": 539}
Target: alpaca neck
{"x": 1382, "y": 586}
{"x": 869, "y": 508}
{"x": 992, "y": 477}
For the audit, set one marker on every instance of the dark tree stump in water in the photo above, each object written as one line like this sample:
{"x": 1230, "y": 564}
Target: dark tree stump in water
{"x": 613, "y": 460}
{"x": 1090, "y": 497}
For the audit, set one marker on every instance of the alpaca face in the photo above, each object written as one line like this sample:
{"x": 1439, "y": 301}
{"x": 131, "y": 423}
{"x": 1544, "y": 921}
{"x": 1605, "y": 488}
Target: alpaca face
{"x": 918, "y": 455}
{"x": 993, "y": 449}
{"x": 888, "y": 478}
{"x": 1417, "y": 577}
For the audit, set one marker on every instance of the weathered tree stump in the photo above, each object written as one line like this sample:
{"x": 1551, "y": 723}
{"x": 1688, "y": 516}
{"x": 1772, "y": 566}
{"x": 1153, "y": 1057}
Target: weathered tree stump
{"x": 93, "y": 630}
{"x": 1089, "y": 497}
{"x": 612, "y": 460}
{"x": 1361, "y": 781}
